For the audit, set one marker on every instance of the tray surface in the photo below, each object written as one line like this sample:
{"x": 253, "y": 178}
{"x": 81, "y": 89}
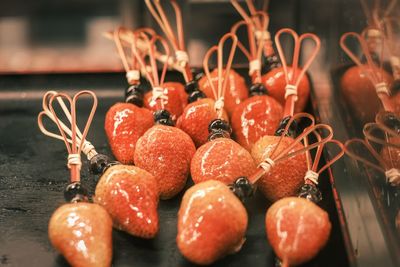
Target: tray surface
{"x": 33, "y": 176}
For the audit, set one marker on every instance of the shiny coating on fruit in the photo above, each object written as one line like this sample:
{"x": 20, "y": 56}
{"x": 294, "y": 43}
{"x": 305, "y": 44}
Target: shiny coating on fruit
{"x": 236, "y": 90}
{"x": 166, "y": 152}
{"x": 81, "y": 232}
{"x": 360, "y": 93}
{"x": 297, "y": 229}
{"x": 212, "y": 223}
{"x": 130, "y": 195}
{"x": 124, "y": 124}
{"x": 286, "y": 177}
{"x": 254, "y": 118}
{"x": 196, "y": 118}
{"x": 222, "y": 160}
{"x": 275, "y": 83}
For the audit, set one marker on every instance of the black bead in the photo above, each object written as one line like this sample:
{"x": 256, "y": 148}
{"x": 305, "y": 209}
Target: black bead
{"x": 395, "y": 87}
{"x": 258, "y": 89}
{"x": 310, "y": 192}
{"x": 196, "y": 95}
{"x": 134, "y": 95}
{"x": 191, "y": 86}
{"x": 393, "y": 122}
{"x": 242, "y": 188}
{"x": 163, "y": 117}
{"x": 75, "y": 192}
{"x": 271, "y": 62}
{"x": 198, "y": 75}
{"x": 292, "y": 131}
{"x": 219, "y": 129}
{"x": 100, "y": 163}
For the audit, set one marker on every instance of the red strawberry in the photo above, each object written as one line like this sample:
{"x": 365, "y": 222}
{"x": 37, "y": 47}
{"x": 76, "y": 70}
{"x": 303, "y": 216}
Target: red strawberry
{"x": 124, "y": 124}
{"x": 286, "y": 177}
{"x": 181, "y": 90}
{"x": 255, "y": 117}
{"x": 82, "y": 233}
{"x": 236, "y": 90}
{"x": 211, "y": 223}
{"x": 275, "y": 83}
{"x": 166, "y": 152}
{"x": 130, "y": 196}
{"x": 359, "y": 93}
{"x": 173, "y": 104}
{"x": 196, "y": 117}
{"x": 297, "y": 229}
{"x": 223, "y": 160}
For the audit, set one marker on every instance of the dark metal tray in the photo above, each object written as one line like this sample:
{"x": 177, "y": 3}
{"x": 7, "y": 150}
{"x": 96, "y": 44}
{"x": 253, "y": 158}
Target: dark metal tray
{"x": 33, "y": 176}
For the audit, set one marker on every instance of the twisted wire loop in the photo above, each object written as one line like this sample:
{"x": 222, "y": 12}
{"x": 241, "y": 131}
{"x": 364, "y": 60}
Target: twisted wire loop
{"x": 292, "y": 149}
{"x": 255, "y": 48}
{"x": 222, "y": 73}
{"x": 175, "y": 37}
{"x": 75, "y": 140}
{"x": 149, "y": 65}
{"x": 370, "y": 69}
{"x": 378, "y": 133}
{"x": 259, "y": 19}
{"x": 293, "y": 80}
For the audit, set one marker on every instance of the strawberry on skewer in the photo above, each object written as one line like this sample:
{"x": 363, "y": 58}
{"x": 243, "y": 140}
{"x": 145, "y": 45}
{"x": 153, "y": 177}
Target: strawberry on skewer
{"x": 79, "y": 230}
{"x": 296, "y": 227}
{"x": 212, "y": 221}
{"x": 129, "y": 194}
{"x": 164, "y": 151}
{"x": 375, "y": 81}
{"x": 221, "y": 158}
{"x": 126, "y": 122}
{"x": 260, "y": 114}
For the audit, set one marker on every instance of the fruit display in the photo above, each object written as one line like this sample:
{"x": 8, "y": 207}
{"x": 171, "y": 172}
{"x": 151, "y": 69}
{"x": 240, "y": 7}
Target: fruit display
{"x": 213, "y": 142}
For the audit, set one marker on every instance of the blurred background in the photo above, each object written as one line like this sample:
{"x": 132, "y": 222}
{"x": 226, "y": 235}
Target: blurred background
{"x": 67, "y": 35}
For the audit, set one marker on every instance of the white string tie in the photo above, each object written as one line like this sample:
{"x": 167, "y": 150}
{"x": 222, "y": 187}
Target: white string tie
{"x": 255, "y": 65}
{"x": 373, "y": 33}
{"x": 312, "y": 176}
{"x": 158, "y": 93}
{"x": 393, "y": 176}
{"x": 88, "y": 149}
{"x": 267, "y": 164}
{"x": 382, "y": 88}
{"x": 219, "y": 104}
{"x": 133, "y": 75}
{"x": 182, "y": 58}
{"x": 74, "y": 159}
{"x": 263, "y": 35}
{"x": 291, "y": 89}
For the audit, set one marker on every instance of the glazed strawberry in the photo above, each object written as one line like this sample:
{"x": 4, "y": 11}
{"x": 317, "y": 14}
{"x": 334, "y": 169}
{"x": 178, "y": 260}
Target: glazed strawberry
{"x": 130, "y": 196}
{"x": 173, "y": 105}
{"x": 165, "y": 152}
{"x": 275, "y": 83}
{"x": 297, "y": 229}
{"x": 254, "y": 118}
{"x": 124, "y": 124}
{"x": 196, "y": 117}
{"x": 236, "y": 91}
{"x": 81, "y": 232}
{"x": 223, "y": 160}
{"x": 359, "y": 93}
{"x": 180, "y": 89}
{"x": 286, "y": 177}
{"x": 211, "y": 223}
